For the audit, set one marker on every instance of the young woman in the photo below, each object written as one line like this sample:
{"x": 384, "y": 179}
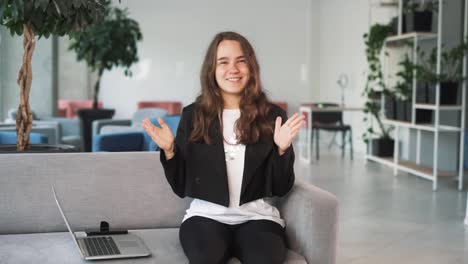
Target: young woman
{"x": 232, "y": 149}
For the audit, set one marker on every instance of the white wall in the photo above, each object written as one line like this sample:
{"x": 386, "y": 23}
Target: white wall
{"x": 2, "y": 36}
{"x": 342, "y": 51}
{"x": 73, "y": 77}
{"x": 342, "y": 24}
{"x": 177, "y": 33}
{"x": 302, "y": 45}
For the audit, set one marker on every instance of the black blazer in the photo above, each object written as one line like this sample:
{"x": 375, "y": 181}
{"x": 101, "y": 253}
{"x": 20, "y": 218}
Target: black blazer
{"x": 199, "y": 170}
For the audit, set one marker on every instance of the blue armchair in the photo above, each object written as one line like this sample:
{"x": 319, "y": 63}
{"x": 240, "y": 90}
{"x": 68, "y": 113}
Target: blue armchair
{"x": 9, "y": 137}
{"x": 108, "y": 126}
{"x": 128, "y": 141}
{"x": 171, "y": 120}
{"x": 132, "y": 141}
{"x": 60, "y": 130}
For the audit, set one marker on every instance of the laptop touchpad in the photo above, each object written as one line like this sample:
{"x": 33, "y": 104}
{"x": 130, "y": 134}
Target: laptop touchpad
{"x": 128, "y": 243}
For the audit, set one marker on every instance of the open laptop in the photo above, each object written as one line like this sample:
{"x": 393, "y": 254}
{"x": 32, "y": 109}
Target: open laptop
{"x": 107, "y": 246}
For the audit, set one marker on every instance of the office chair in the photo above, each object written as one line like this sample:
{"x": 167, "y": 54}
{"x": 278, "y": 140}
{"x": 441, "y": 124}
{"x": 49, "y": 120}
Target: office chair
{"x": 330, "y": 121}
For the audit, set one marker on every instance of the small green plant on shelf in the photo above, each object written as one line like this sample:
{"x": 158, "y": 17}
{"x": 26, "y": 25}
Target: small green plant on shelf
{"x": 420, "y": 6}
{"x": 451, "y": 64}
{"x": 403, "y": 87}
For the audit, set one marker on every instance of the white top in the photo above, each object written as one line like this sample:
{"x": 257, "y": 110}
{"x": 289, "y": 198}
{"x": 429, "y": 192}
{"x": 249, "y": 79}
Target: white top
{"x": 234, "y": 214}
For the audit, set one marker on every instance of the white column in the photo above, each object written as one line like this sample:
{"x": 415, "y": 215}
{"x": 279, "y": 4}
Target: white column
{"x": 466, "y": 215}
{"x": 305, "y": 155}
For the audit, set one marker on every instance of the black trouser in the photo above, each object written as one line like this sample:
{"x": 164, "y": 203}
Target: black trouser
{"x": 206, "y": 241}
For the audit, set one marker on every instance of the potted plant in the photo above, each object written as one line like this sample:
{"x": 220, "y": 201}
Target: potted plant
{"x": 403, "y": 90}
{"x": 382, "y": 144}
{"x": 451, "y": 63}
{"x": 33, "y": 19}
{"x": 417, "y": 15}
{"x": 104, "y": 46}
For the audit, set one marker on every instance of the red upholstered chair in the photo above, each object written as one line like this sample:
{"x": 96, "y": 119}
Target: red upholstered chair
{"x": 283, "y": 105}
{"x": 172, "y": 107}
{"x": 67, "y": 108}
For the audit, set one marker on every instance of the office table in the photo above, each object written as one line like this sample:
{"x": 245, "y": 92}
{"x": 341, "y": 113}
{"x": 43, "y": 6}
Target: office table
{"x": 307, "y": 109}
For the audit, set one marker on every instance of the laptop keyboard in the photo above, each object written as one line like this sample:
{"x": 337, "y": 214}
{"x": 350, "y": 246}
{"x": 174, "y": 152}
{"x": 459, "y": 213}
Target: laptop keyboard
{"x": 101, "y": 246}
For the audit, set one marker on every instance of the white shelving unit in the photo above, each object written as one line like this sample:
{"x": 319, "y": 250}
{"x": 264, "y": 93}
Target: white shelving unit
{"x": 415, "y": 167}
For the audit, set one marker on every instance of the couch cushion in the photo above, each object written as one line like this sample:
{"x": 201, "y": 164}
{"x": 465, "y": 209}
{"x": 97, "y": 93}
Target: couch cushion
{"x": 72, "y": 140}
{"x": 51, "y": 248}
{"x": 111, "y": 129}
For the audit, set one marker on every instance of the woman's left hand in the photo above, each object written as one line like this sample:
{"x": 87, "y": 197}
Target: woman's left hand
{"x": 285, "y": 134}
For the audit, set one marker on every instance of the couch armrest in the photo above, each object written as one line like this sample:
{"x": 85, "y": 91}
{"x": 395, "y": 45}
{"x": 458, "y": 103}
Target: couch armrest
{"x": 44, "y": 127}
{"x": 69, "y": 126}
{"x": 98, "y": 124}
{"x": 111, "y": 129}
{"x": 311, "y": 216}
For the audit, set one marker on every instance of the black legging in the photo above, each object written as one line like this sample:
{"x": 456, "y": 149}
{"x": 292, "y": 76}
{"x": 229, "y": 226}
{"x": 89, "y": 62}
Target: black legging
{"x": 206, "y": 241}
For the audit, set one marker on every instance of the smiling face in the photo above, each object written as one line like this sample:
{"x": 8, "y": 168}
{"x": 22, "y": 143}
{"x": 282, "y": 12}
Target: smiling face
{"x": 232, "y": 72}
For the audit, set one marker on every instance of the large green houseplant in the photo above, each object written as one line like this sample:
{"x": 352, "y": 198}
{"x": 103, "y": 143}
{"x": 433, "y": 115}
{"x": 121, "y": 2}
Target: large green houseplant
{"x": 108, "y": 44}
{"x": 103, "y": 46}
{"x": 375, "y": 85}
{"x": 41, "y": 18}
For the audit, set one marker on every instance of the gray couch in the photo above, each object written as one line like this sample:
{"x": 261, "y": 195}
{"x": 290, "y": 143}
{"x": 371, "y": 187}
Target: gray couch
{"x": 129, "y": 190}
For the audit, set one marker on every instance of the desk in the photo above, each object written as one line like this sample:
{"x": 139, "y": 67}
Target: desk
{"x": 305, "y": 140}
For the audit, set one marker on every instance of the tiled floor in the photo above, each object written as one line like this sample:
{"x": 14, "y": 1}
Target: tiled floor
{"x": 387, "y": 219}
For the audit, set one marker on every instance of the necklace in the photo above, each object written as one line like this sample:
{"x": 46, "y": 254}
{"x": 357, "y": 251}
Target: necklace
{"x": 232, "y": 148}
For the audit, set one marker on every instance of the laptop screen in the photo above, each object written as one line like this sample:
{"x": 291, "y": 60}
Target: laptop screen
{"x": 64, "y": 217}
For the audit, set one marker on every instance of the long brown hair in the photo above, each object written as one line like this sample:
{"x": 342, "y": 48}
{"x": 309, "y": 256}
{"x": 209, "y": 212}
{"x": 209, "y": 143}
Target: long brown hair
{"x": 254, "y": 105}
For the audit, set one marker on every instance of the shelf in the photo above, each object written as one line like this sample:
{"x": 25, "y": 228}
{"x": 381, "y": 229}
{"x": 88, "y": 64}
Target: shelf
{"x": 411, "y": 35}
{"x": 426, "y": 127}
{"x": 407, "y": 44}
{"x": 411, "y": 167}
{"x": 384, "y": 160}
{"x": 440, "y": 107}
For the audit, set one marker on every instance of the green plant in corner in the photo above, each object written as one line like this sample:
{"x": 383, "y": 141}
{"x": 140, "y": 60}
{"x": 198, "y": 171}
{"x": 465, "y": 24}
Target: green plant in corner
{"x": 110, "y": 43}
{"x": 375, "y": 86}
{"x": 37, "y": 18}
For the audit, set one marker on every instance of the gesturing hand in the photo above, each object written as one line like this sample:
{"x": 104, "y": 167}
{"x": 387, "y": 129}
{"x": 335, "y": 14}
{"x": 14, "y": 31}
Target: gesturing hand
{"x": 162, "y": 136}
{"x": 285, "y": 134}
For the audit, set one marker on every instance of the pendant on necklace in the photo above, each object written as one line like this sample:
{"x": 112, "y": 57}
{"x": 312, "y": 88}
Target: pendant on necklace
{"x": 231, "y": 149}
{"x": 230, "y": 152}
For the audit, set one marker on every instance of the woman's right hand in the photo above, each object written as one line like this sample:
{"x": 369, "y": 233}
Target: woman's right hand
{"x": 163, "y": 136}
